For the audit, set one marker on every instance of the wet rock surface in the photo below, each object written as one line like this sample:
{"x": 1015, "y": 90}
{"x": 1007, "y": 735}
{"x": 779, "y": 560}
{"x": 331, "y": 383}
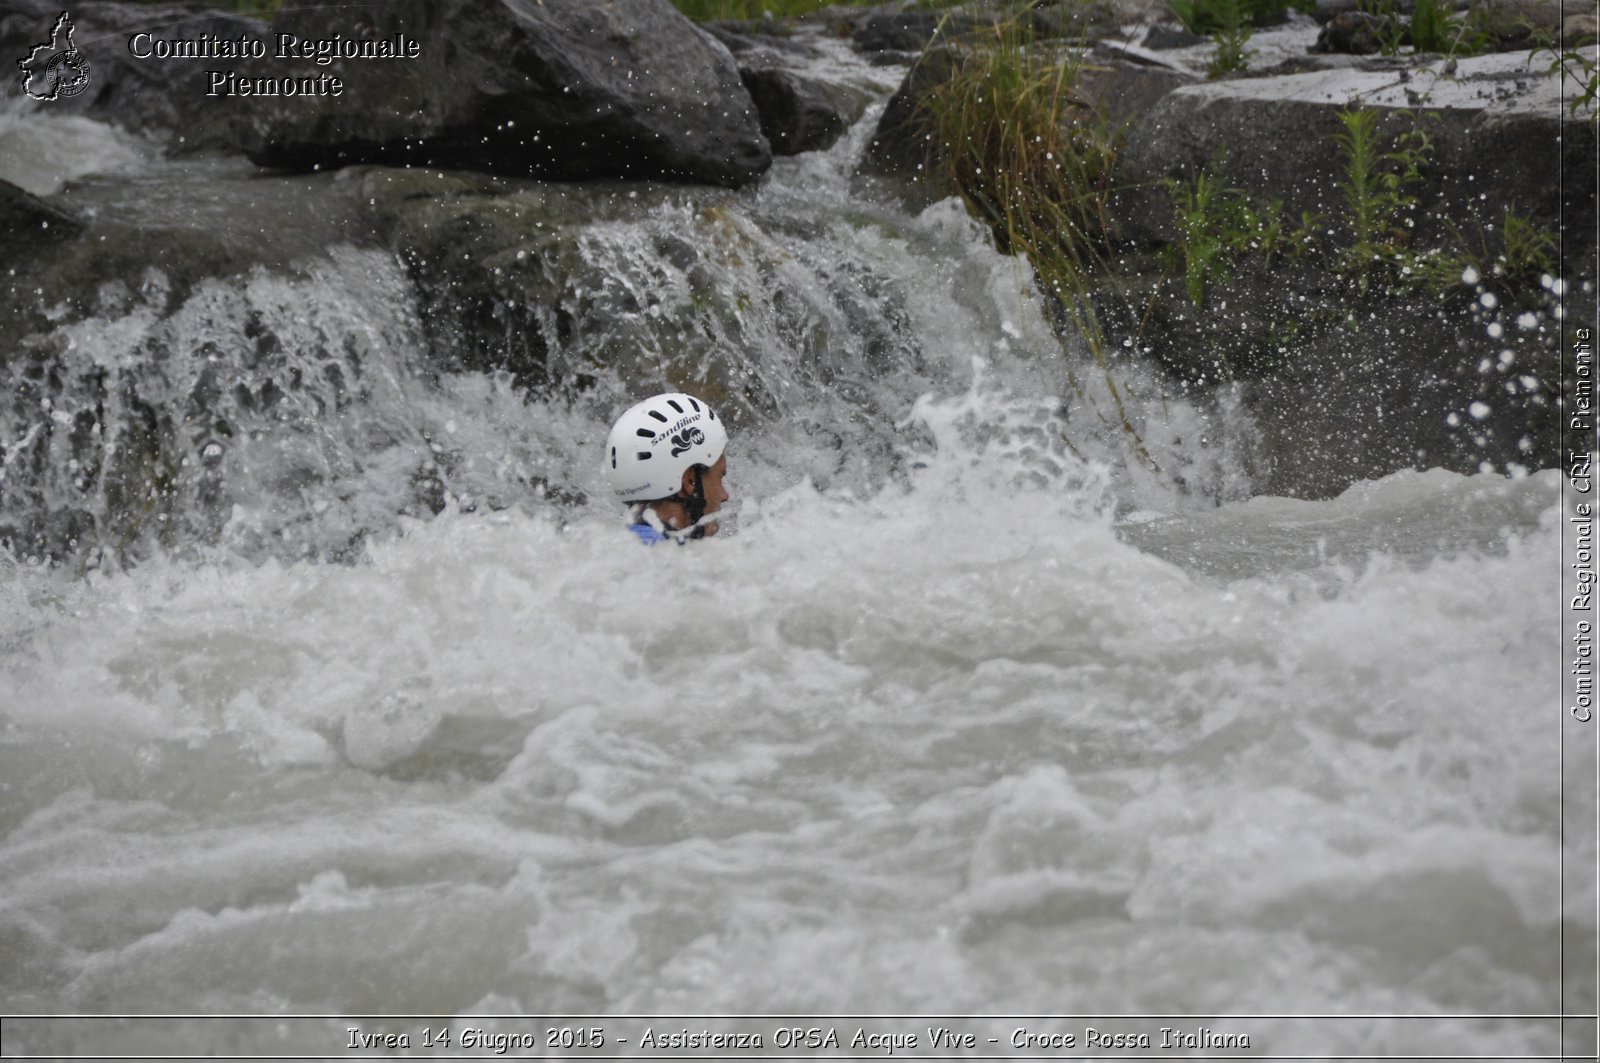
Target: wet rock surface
{"x": 571, "y": 90}
{"x": 164, "y": 99}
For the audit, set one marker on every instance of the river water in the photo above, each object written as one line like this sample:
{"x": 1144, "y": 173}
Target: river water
{"x": 974, "y": 708}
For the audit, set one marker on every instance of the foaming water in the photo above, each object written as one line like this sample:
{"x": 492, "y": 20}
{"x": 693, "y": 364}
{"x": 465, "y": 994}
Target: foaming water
{"x": 40, "y": 152}
{"x": 971, "y": 708}
{"x": 954, "y": 746}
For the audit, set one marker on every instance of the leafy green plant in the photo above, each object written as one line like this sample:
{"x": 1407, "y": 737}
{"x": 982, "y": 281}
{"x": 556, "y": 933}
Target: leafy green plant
{"x": 1577, "y": 67}
{"x": 1231, "y": 36}
{"x": 1375, "y": 191}
{"x": 1431, "y": 28}
{"x": 1512, "y": 265}
{"x": 1217, "y": 227}
{"x": 1209, "y": 16}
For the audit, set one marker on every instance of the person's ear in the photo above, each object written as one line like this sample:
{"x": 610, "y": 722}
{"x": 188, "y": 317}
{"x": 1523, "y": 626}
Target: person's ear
{"x": 687, "y": 488}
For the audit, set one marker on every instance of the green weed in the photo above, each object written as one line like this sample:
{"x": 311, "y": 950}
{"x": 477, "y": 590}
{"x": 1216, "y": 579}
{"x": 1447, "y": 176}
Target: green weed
{"x": 1218, "y": 226}
{"x": 1376, "y": 192}
{"x": 1209, "y": 16}
{"x": 1007, "y": 136}
{"x": 1512, "y": 264}
{"x": 1577, "y": 69}
{"x": 1231, "y": 36}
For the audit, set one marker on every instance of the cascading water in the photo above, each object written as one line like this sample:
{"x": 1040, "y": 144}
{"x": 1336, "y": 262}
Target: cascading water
{"x": 972, "y": 710}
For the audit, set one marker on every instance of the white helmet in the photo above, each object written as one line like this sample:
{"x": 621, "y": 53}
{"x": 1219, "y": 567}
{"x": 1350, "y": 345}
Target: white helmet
{"x": 652, "y": 444}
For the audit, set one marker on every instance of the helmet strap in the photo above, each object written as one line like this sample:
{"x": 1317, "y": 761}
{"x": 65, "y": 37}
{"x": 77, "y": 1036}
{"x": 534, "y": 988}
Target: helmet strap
{"x": 695, "y": 505}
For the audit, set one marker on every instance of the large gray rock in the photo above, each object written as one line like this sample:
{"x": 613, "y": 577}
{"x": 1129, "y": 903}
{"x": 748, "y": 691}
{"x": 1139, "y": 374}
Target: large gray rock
{"x": 166, "y": 98}
{"x": 1496, "y": 124}
{"x": 1346, "y": 382}
{"x": 567, "y": 89}
{"x": 800, "y": 108}
{"x": 1416, "y": 389}
{"x": 800, "y": 113}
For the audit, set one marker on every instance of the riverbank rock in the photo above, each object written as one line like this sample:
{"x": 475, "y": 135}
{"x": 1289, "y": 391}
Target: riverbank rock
{"x": 163, "y": 98}
{"x": 1350, "y": 379}
{"x": 27, "y": 220}
{"x": 800, "y": 110}
{"x": 562, "y": 89}
{"x": 1495, "y": 122}
{"x": 800, "y": 113}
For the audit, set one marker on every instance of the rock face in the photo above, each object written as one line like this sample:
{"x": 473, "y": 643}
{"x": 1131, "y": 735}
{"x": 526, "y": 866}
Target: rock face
{"x": 1238, "y": 129}
{"x": 799, "y": 113}
{"x": 26, "y": 219}
{"x": 1347, "y": 382}
{"x": 164, "y": 98}
{"x": 566, "y": 89}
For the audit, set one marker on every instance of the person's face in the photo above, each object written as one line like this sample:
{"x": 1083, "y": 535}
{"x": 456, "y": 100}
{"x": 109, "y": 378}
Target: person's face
{"x": 714, "y": 483}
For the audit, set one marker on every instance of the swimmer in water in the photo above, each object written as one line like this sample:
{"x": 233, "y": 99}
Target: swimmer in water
{"x": 666, "y": 458}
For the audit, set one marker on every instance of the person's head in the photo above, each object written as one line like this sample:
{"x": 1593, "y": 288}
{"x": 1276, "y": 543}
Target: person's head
{"x": 667, "y": 454}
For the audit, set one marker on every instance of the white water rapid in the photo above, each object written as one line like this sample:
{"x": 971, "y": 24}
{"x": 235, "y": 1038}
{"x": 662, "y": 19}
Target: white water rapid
{"x": 969, "y": 711}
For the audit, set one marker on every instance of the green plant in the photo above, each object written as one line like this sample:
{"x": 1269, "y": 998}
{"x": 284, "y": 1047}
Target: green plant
{"x": 1375, "y": 191}
{"x": 1512, "y": 265}
{"x": 1231, "y": 36}
{"x": 1577, "y": 69}
{"x": 1208, "y": 16}
{"x": 1431, "y": 27}
{"x": 1217, "y": 227}
{"x": 1005, "y": 133}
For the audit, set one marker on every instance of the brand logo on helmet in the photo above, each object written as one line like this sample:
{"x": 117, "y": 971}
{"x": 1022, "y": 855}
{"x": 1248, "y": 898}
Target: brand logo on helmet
{"x": 681, "y": 442}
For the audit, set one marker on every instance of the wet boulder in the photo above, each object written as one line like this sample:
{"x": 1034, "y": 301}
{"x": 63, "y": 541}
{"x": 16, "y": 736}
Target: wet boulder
{"x": 1356, "y": 33}
{"x": 563, "y": 89}
{"x": 26, "y": 220}
{"x": 1496, "y": 126}
{"x": 800, "y": 113}
{"x": 800, "y": 108}
{"x": 164, "y": 98}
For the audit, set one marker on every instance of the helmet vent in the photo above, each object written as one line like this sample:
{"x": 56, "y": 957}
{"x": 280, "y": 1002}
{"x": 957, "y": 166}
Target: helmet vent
{"x": 658, "y": 415}
{"x": 613, "y": 457}
{"x": 646, "y": 433}
{"x": 644, "y": 455}
{"x": 695, "y": 404}
{"x": 674, "y": 404}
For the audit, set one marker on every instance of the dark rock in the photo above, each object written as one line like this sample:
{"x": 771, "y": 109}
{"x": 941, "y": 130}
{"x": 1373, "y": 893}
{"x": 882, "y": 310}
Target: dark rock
{"x": 898, "y": 33}
{"x": 1413, "y": 388}
{"x": 166, "y": 98}
{"x": 27, "y": 221}
{"x": 909, "y": 31}
{"x": 800, "y": 113}
{"x": 569, "y": 89}
{"x": 1075, "y": 19}
{"x": 1162, "y": 36}
{"x": 1349, "y": 384}
{"x": 1239, "y": 130}
{"x": 1355, "y": 33}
